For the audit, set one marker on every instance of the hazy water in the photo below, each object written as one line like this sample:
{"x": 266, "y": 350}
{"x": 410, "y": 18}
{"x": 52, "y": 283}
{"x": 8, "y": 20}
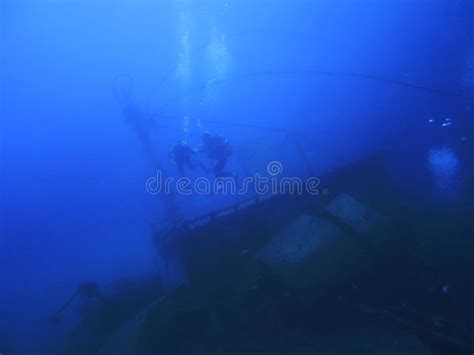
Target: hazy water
{"x": 73, "y": 201}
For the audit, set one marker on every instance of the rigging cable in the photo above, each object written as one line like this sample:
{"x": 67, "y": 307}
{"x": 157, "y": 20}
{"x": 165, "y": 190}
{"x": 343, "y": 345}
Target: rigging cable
{"x": 262, "y": 74}
{"x": 314, "y": 72}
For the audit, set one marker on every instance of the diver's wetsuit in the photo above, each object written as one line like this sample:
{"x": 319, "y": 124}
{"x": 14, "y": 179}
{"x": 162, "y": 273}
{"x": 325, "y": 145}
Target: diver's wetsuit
{"x": 218, "y": 150}
{"x": 182, "y": 156}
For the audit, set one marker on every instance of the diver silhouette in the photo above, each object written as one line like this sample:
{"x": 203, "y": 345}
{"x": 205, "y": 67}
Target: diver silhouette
{"x": 182, "y": 156}
{"x": 218, "y": 150}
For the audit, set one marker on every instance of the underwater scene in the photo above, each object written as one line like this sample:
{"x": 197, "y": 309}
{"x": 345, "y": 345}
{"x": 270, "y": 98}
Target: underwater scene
{"x": 262, "y": 177}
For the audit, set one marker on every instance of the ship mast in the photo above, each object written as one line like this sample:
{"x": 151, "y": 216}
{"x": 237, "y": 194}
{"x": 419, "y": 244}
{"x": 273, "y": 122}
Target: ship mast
{"x": 142, "y": 125}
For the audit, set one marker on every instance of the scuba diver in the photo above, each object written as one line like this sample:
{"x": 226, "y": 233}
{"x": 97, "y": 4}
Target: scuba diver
{"x": 218, "y": 150}
{"x": 182, "y": 156}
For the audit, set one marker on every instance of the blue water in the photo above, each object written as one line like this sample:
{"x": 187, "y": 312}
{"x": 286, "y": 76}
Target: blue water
{"x": 352, "y": 78}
